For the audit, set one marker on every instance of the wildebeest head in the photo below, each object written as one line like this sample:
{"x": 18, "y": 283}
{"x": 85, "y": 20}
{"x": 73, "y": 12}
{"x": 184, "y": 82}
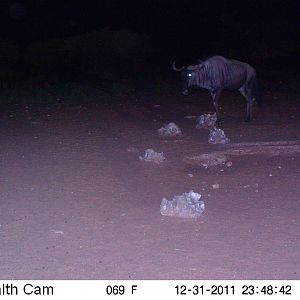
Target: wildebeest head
{"x": 187, "y": 74}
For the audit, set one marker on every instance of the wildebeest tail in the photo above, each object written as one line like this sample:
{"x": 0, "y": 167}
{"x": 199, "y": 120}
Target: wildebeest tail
{"x": 258, "y": 99}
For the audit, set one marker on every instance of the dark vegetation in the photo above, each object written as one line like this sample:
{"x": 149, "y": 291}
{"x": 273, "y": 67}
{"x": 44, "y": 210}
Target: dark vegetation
{"x": 73, "y": 61}
{"x": 99, "y": 63}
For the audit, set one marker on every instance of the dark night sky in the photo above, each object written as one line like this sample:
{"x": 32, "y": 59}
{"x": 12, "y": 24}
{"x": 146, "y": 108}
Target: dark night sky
{"x": 171, "y": 24}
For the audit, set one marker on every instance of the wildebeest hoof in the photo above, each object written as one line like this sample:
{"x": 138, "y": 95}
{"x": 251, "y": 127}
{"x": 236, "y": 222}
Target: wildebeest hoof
{"x": 219, "y": 121}
{"x": 247, "y": 120}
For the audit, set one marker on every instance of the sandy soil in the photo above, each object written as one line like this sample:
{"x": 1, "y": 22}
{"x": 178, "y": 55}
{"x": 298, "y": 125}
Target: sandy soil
{"x": 77, "y": 203}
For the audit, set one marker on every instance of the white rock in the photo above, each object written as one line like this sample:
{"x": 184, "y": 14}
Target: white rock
{"x": 170, "y": 129}
{"x": 152, "y": 156}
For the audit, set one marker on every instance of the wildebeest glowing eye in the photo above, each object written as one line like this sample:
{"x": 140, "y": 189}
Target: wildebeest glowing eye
{"x": 190, "y": 75}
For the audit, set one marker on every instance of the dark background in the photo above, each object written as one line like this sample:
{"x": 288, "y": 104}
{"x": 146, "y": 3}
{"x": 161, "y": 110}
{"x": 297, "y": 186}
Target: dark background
{"x": 107, "y": 38}
{"x": 188, "y": 25}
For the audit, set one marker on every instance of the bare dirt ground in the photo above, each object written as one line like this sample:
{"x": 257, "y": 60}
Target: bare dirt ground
{"x": 77, "y": 203}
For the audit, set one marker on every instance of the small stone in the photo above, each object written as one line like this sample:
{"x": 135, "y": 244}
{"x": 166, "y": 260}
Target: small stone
{"x": 229, "y": 164}
{"x": 217, "y": 136}
{"x": 207, "y": 121}
{"x": 190, "y": 117}
{"x": 170, "y": 129}
{"x": 132, "y": 150}
{"x": 152, "y": 156}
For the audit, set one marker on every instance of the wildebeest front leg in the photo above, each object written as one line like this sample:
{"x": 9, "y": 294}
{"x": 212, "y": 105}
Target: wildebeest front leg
{"x": 215, "y": 97}
{"x": 247, "y": 94}
{"x": 249, "y": 109}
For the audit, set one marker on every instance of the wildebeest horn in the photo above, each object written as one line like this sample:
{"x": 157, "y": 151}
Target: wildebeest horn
{"x": 176, "y": 69}
{"x": 192, "y": 67}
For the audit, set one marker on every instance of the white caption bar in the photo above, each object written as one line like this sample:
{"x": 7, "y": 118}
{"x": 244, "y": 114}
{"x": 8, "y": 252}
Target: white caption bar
{"x": 150, "y": 289}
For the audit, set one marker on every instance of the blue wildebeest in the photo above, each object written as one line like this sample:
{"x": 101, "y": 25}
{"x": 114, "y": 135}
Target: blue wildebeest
{"x": 218, "y": 73}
